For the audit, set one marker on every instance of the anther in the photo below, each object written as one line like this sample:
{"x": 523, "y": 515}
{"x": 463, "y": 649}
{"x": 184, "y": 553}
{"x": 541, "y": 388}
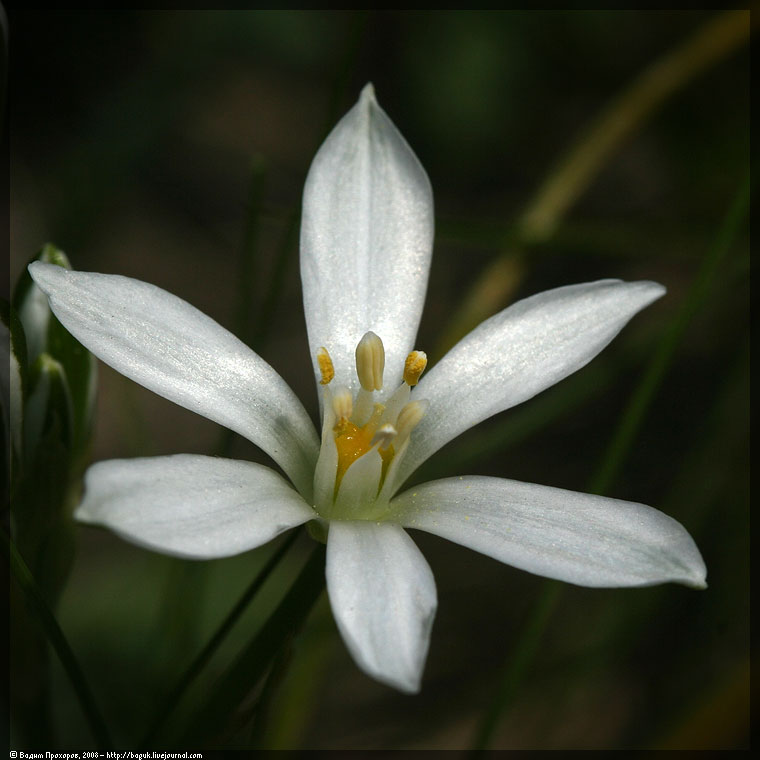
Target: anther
{"x": 384, "y": 435}
{"x": 409, "y": 417}
{"x": 414, "y": 367}
{"x": 343, "y": 403}
{"x": 370, "y": 362}
{"x": 326, "y": 368}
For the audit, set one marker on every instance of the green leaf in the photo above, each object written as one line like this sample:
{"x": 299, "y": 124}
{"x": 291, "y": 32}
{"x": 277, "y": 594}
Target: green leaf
{"x": 205, "y": 655}
{"x": 39, "y": 605}
{"x": 254, "y": 661}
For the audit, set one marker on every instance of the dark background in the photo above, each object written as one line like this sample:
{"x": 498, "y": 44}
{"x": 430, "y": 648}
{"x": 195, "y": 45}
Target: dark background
{"x": 170, "y": 145}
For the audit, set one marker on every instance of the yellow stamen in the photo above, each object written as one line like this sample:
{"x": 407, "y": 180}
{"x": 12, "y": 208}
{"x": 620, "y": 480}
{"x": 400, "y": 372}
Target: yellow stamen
{"x": 409, "y": 417}
{"x": 357, "y": 430}
{"x": 370, "y": 362}
{"x": 326, "y": 368}
{"x": 342, "y": 403}
{"x": 414, "y": 367}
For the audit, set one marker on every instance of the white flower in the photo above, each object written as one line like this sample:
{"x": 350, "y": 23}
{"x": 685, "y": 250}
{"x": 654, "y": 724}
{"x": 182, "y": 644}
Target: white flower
{"x": 366, "y": 242}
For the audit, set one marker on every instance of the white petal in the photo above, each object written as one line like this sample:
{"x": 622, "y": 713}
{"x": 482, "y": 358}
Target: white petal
{"x": 167, "y": 345}
{"x": 327, "y": 464}
{"x": 391, "y": 483}
{"x": 191, "y": 506}
{"x": 518, "y": 353}
{"x": 359, "y": 486}
{"x": 574, "y": 537}
{"x": 383, "y": 598}
{"x": 366, "y": 241}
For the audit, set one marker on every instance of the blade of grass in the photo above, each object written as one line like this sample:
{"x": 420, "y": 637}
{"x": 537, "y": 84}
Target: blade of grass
{"x": 57, "y": 639}
{"x": 523, "y": 653}
{"x": 208, "y": 651}
{"x": 270, "y": 301}
{"x": 697, "y": 295}
{"x": 579, "y": 167}
{"x": 292, "y": 706}
{"x": 263, "y": 709}
{"x": 253, "y": 662}
{"x": 515, "y": 667}
{"x": 575, "y": 172}
{"x": 708, "y": 471}
{"x": 176, "y": 624}
{"x": 249, "y": 273}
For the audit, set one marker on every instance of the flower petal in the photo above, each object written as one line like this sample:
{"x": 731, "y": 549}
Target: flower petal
{"x": 358, "y": 488}
{"x": 518, "y": 353}
{"x": 167, "y": 345}
{"x": 574, "y": 537}
{"x": 366, "y": 241}
{"x": 327, "y": 464}
{"x": 191, "y": 506}
{"x": 383, "y": 599}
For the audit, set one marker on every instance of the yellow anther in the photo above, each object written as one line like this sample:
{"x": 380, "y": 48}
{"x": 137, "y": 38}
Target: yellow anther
{"x": 326, "y": 368}
{"x": 409, "y": 417}
{"x": 342, "y": 403}
{"x": 384, "y": 435}
{"x": 414, "y": 367}
{"x": 370, "y": 362}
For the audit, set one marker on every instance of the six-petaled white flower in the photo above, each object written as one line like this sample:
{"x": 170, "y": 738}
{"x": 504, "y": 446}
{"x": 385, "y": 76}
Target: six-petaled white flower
{"x": 366, "y": 242}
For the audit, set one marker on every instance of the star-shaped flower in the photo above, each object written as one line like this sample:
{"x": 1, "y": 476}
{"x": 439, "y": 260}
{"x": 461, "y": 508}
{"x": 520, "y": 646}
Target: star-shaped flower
{"x": 366, "y": 242}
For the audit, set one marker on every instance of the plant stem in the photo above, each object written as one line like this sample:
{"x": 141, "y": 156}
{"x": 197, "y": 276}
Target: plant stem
{"x": 515, "y": 667}
{"x": 250, "y": 273}
{"x": 575, "y": 172}
{"x": 270, "y": 301}
{"x": 203, "y": 657}
{"x": 247, "y": 670}
{"x": 582, "y": 164}
{"x": 663, "y": 356}
{"x": 526, "y": 648}
{"x": 57, "y": 639}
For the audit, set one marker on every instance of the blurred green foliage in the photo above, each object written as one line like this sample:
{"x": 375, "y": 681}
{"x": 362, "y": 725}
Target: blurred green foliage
{"x": 133, "y": 136}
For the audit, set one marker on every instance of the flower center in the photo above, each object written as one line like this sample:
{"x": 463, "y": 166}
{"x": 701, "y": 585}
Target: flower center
{"x": 363, "y": 440}
{"x": 352, "y": 442}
